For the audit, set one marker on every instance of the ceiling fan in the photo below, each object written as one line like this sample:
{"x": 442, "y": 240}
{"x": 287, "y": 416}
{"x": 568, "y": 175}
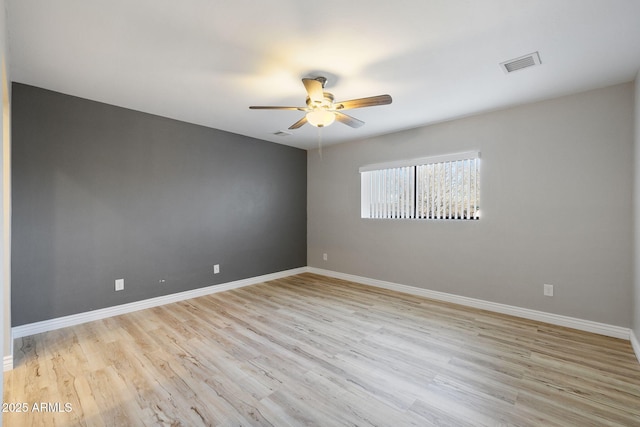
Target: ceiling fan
{"x": 321, "y": 110}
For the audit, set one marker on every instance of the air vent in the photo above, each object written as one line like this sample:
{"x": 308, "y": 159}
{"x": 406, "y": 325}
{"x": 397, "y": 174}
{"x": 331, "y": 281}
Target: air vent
{"x": 282, "y": 133}
{"x": 520, "y": 63}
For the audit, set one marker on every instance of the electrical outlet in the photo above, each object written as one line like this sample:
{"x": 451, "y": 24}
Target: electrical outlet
{"x": 548, "y": 290}
{"x": 325, "y": 257}
{"x": 216, "y": 269}
{"x": 119, "y": 284}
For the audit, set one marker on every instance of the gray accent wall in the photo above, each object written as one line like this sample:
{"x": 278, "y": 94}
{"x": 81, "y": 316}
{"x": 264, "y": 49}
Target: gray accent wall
{"x": 556, "y": 203}
{"x": 102, "y": 193}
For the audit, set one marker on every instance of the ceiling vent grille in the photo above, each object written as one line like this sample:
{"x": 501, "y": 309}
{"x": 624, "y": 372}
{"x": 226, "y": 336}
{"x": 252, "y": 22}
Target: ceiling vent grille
{"x": 520, "y": 63}
{"x": 282, "y": 133}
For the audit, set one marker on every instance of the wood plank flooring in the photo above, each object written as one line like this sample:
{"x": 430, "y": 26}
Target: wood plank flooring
{"x": 309, "y": 350}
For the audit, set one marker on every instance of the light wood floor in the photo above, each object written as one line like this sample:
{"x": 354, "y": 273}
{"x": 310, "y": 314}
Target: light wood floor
{"x": 308, "y": 350}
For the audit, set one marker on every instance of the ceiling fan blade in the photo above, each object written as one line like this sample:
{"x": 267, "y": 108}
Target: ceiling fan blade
{"x": 363, "y": 102}
{"x": 299, "y": 123}
{"x": 269, "y": 107}
{"x": 314, "y": 89}
{"x": 348, "y": 120}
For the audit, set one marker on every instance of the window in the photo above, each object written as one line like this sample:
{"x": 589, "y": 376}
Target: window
{"x": 443, "y": 187}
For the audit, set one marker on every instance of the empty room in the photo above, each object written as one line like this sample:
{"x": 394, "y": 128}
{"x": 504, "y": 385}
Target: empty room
{"x": 414, "y": 213}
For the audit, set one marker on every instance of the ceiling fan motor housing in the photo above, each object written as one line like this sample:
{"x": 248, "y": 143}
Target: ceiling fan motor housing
{"x": 326, "y": 102}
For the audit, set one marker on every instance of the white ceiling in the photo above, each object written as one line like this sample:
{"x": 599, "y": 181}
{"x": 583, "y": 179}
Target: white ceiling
{"x": 206, "y": 61}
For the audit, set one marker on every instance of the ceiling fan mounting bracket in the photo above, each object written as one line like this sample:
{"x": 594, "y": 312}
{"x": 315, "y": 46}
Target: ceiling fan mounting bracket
{"x": 322, "y": 80}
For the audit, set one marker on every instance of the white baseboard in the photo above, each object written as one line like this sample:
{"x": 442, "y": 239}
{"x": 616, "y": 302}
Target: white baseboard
{"x": 635, "y": 343}
{"x": 541, "y": 316}
{"x": 76, "y": 319}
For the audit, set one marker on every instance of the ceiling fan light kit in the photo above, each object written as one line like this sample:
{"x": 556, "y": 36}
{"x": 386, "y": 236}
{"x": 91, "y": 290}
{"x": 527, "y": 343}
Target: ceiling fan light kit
{"x": 320, "y": 118}
{"x": 321, "y": 110}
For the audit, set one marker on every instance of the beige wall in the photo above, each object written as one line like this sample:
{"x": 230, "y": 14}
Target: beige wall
{"x": 556, "y": 208}
{"x": 636, "y": 308}
{"x": 5, "y": 198}
{"x": 6, "y": 206}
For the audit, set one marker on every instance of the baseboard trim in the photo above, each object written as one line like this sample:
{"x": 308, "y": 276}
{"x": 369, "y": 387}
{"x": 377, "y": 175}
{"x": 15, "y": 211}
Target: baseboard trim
{"x": 76, "y": 319}
{"x": 541, "y": 316}
{"x": 635, "y": 343}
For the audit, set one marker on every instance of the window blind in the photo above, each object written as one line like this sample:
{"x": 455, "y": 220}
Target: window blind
{"x": 449, "y": 190}
{"x": 388, "y": 193}
{"x": 442, "y": 187}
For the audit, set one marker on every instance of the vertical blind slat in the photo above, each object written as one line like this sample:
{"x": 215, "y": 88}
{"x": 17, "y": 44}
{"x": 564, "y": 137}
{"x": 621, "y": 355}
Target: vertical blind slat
{"x": 469, "y": 193}
{"x": 450, "y": 195}
{"x": 478, "y": 188}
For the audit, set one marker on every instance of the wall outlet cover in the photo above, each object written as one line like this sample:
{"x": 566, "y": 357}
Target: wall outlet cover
{"x": 548, "y": 290}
